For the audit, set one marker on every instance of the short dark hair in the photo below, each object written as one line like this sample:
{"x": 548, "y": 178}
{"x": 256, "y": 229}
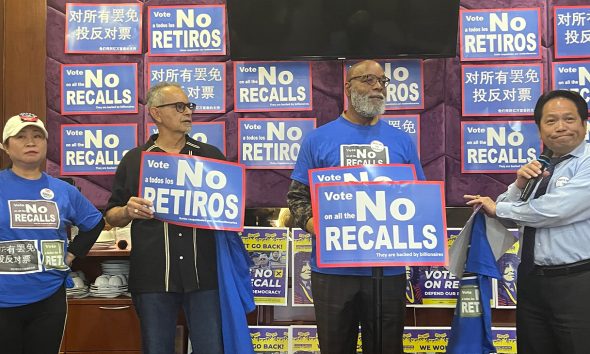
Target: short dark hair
{"x": 575, "y": 97}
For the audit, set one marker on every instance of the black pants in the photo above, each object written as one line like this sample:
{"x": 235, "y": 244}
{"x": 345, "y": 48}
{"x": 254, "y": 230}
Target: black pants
{"x": 342, "y": 302}
{"x": 36, "y": 328}
{"x": 553, "y": 314}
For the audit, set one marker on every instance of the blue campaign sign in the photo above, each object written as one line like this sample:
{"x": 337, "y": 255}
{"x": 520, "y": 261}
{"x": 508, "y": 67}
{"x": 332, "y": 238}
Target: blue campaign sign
{"x": 103, "y": 28}
{"x": 362, "y": 173}
{"x": 370, "y": 224}
{"x": 409, "y": 123}
{"x": 271, "y": 143}
{"x": 498, "y": 147}
{"x": 204, "y": 83}
{"x": 95, "y": 149}
{"x": 500, "y": 34}
{"x": 212, "y": 133}
{"x": 501, "y": 90}
{"x": 98, "y": 88}
{"x": 194, "y": 191}
{"x": 272, "y": 86}
{"x": 570, "y": 31}
{"x": 406, "y": 88}
{"x": 186, "y": 30}
{"x": 572, "y": 76}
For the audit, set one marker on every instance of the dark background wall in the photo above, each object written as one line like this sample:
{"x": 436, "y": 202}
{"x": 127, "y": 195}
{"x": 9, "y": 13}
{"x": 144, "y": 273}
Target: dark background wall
{"x": 22, "y": 80}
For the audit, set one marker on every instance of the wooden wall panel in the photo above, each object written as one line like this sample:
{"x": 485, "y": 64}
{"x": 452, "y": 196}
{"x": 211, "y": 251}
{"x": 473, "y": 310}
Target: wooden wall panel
{"x": 22, "y": 58}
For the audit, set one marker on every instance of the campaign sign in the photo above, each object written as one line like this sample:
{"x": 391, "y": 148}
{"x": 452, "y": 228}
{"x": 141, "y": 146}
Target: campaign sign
{"x": 301, "y": 292}
{"x": 270, "y": 339}
{"x": 501, "y": 90}
{"x": 433, "y": 286}
{"x": 193, "y": 191}
{"x": 572, "y": 76}
{"x": 267, "y": 247}
{"x": 272, "y": 86}
{"x": 271, "y": 143}
{"x": 504, "y": 339}
{"x": 498, "y": 147}
{"x": 409, "y": 123}
{"x": 103, "y": 28}
{"x": 98, "y": 88}
{"x": 95, "y": 149}
{"x": 304, "y": 339}
{"x": 426, "y": 339}
{"x": 570, "y": 31}
{"x": 212, "y": 133}
{"x": 186, "y": 30}
{"x": 506, "y": 287}
{"x": 204, "y": 83}
{"x": 366, "y": 224}
{"x": 500, "y": 34}
{"x": 362, "y": 173}
{"x": 406, "y": 88}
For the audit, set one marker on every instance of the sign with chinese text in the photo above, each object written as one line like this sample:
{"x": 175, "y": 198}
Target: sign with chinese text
{"x": 570, "y": 31}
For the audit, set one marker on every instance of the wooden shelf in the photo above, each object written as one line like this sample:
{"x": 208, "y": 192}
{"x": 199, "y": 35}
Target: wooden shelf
{"x": 112, "y": 252}
{"x": 120, "y": 300}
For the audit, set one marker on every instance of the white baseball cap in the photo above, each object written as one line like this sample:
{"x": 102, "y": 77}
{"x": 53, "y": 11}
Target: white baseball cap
{"x": 15, "y": 124}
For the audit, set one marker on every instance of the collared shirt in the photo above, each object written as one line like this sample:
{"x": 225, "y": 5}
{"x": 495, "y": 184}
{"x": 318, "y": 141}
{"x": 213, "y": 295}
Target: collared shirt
{"x": 165, "y": 257}
{"x": 561, "y": 216}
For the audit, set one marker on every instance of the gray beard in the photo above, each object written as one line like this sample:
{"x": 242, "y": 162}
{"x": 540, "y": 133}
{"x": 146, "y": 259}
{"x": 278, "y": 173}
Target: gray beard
{"x": 363, "y": 106}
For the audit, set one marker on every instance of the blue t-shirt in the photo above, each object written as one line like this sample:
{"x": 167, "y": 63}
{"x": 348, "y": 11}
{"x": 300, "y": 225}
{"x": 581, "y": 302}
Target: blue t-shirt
{"x": 34, "y": 217}
{"x": 342, "y": 143}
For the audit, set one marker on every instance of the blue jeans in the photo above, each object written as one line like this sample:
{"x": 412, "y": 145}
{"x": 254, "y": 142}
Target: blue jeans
{"x": 158, "y": 313}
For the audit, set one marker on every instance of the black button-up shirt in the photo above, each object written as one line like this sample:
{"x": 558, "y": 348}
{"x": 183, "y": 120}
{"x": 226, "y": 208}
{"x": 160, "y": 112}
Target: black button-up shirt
{"x": 165, "y": 257}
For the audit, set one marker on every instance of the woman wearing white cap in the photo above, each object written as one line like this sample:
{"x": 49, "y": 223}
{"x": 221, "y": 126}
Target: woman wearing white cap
{"x": 35, "y": 212}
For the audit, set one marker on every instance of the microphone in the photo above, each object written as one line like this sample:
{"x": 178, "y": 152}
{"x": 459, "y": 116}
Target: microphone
{"x": 545, "y": 160}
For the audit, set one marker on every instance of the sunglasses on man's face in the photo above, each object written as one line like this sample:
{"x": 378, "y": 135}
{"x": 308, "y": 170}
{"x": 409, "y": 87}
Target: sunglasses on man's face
{"x": 180, "y": 106}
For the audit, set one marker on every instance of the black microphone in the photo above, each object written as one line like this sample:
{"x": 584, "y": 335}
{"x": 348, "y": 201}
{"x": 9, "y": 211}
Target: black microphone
{"x": 545, "y": 160}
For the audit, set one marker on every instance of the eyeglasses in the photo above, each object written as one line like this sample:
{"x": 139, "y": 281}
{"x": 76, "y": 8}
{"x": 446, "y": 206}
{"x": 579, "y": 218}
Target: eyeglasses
{"x": 180, "y": 106}
{"x": 371, "y": 79}
{"x": 28, "y": 117}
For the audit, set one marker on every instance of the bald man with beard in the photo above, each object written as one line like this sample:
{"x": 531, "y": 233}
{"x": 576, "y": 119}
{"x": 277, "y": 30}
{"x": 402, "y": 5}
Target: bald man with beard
{"x": 343, "y": 297}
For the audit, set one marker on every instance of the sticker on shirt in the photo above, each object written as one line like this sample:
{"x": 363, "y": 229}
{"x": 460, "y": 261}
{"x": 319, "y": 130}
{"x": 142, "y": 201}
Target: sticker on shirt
{"x": 375, "y": 153}
{"x": 562, "y": 181}
{"x": 19, "y": 256}
{"x": 33, "y": 214}
{"x": 53, "y": 254}
{"x": 47, "y": 193}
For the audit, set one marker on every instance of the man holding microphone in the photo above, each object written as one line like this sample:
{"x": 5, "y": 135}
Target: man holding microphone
{"x": 551, "y": 199}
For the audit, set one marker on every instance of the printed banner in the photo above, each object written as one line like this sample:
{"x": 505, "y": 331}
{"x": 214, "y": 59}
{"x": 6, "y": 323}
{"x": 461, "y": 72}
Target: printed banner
{"x": 204, "y": 83}
{"x": 194, "y": 191}
{"x": 506, "y": 288}
{"x": 267, "y": 247}
{"x": 272, "y": 86}
{"x": 499, "y": 146}
{"x": 501, "y": 90}
{"x": 95, "y": 149}
{"x": 500, "y": 34}
{"x": 301, "y": 293}
{"x": 271, "y": 143}
{"x": 270, "y": 339}
{"x": 380, "y": 224}
{"x": 362, "y": 173}
{"x": 98, "y": 88}
{"x": 103, "y": 28}
{"x": 304, "y": 339}
{"x": 409, "y": 123}
{"x": 572, "y": 76}
{"x": 212, "y": 133}
{"x": 406, "y": 88}
{"x": 504, "y": 339}
{"x": 570, "y": 31}
{"x": 186, "y": 30}
{"x": 426, "y": 339}
{"x": 433, "y": 286}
